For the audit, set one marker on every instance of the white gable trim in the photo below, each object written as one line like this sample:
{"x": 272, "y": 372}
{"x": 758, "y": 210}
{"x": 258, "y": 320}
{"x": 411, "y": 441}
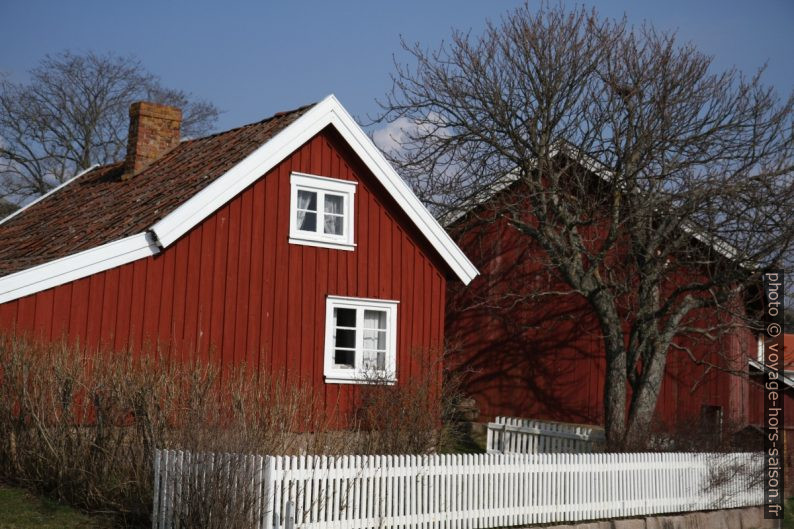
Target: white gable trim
{"x": 76, "y": 266}
{"x": 48, "y": 193}
{"x": 327, "y": 112}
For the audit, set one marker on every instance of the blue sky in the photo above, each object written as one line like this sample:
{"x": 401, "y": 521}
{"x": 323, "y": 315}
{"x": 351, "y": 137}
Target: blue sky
{"x": 254, "y": 58}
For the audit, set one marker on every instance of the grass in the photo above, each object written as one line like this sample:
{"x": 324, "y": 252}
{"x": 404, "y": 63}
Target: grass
{"x": 21, "y": 510}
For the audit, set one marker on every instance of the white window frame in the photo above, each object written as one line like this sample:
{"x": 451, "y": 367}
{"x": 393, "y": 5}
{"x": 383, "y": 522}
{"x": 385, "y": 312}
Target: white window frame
{"x": 335, "y": 375}
{"x": 760, "y": 352}
{"x": 323, "y": 185}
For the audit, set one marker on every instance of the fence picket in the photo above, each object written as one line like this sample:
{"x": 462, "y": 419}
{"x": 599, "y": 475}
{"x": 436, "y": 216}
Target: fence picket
{"x": 156, "y": 489}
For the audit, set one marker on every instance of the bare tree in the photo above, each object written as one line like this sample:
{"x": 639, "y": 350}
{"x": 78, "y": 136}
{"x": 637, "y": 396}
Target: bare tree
{"x": 687, "y": 191}
{"x": 72, "y": 114}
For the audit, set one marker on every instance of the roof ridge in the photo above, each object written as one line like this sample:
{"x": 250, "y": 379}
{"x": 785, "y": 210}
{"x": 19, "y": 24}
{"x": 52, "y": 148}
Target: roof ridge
{"x": 279, "y": 114}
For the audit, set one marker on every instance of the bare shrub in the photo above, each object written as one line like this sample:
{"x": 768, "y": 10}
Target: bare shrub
{"x": 415, "y": 416}
{"x": 83, "y": 427}
{"x": 219, "y": 491}
{"x": 694, "y": 436}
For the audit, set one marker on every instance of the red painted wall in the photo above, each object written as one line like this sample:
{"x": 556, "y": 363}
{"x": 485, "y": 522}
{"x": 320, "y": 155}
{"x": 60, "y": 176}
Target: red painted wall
{"x": 233, "y": 290}
{"x": 757, "y": 396}
{"x": 527, "y": 355}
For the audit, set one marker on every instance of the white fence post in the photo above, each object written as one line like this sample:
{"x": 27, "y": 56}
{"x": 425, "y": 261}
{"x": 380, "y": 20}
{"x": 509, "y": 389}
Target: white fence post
{"x": 269, "y": 491}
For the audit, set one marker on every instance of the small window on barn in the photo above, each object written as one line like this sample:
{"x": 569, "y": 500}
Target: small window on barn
{"x": 321, "y": 211}
{"x": 360, "y": 340}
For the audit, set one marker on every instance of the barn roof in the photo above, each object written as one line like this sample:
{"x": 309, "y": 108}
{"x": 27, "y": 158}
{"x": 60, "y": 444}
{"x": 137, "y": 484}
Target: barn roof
{"x": 99, "y": 220}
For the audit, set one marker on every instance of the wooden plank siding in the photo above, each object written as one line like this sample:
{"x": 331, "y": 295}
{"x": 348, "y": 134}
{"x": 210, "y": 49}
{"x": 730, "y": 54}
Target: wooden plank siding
{"x": 542, "y": 357}
{"x": 234, "y": 290}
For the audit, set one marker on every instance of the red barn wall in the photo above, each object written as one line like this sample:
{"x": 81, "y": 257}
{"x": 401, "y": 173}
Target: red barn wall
{"x": 757, "y": 401}
{"x": 233, "y": 290}
{"x": 543, "y": 357}
{"x": 522, "y": 356}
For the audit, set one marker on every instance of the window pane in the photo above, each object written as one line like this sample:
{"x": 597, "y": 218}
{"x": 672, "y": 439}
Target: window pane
{"x": 345, "y": 338}
{"x": 374, "y": 339}
{"x": 334, "y": 204}
{"x": 374, "y": 319}
{"x": 373, "y": 360}
{"x": 307, "y": 221}
{"x": 307, "y": 200}
{"x": 333, "y": 225}
{"x": 344, "y": 358}
{"x": 345, "y": 317}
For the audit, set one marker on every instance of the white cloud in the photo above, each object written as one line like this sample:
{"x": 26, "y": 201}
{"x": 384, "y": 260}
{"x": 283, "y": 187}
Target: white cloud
{"x": 390, "y": 137}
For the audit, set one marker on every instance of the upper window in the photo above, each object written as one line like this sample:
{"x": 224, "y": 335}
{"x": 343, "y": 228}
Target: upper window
{"x": 360, "y": 340}
{"x": 321, "y": 211}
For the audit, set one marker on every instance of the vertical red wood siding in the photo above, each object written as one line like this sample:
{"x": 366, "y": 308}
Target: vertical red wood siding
{"x": 233, "y": 290}
{"x": 544, "y": 357}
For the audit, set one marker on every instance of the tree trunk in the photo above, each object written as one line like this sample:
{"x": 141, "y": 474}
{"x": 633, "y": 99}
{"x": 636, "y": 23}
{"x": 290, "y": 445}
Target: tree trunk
{"x": 616, "y": 379}
{"x": 615, "y": 399}
{"x": 643, "y": 400}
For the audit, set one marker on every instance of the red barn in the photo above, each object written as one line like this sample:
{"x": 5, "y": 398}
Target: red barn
{"x": 542, "y": 356}
{"x": 289, "y": 244}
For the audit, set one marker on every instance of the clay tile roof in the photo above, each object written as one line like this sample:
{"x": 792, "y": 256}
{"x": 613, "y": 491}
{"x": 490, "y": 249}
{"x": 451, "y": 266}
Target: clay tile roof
{"x": 100, "y": 207}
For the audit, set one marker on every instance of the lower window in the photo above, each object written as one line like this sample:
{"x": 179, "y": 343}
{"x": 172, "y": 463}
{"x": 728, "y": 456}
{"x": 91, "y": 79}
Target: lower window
{"x": 360, "y": 340}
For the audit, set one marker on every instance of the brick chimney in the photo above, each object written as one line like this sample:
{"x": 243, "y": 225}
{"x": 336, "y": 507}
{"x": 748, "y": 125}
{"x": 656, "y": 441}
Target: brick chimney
{"x": 154, "y": 130}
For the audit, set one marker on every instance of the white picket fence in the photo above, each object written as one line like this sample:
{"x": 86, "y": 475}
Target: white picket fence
{"x": 461, "y": 491}
{"x": 510, "y": 435}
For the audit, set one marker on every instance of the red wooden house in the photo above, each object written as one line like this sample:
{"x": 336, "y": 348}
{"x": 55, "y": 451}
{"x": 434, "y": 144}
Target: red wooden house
{"x": 289, "y": 244}
{"x": 542, "y": 357}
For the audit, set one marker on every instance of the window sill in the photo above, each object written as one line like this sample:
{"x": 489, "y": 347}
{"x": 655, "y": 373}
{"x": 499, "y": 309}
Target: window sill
{"x": 335, "y": 245}
{"x": 352, "y": 380}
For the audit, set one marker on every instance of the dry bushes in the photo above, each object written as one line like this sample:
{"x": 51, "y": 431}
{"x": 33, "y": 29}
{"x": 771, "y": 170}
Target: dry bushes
{"x": 693, "y": 435}
{"x": 83, "y": 428}
{"x": 414, "y": 417}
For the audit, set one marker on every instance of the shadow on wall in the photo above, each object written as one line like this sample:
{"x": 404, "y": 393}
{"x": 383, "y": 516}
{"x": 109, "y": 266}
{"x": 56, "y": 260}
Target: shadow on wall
{"x": 545, "y": 368}
{"x": 524, "y": 353}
